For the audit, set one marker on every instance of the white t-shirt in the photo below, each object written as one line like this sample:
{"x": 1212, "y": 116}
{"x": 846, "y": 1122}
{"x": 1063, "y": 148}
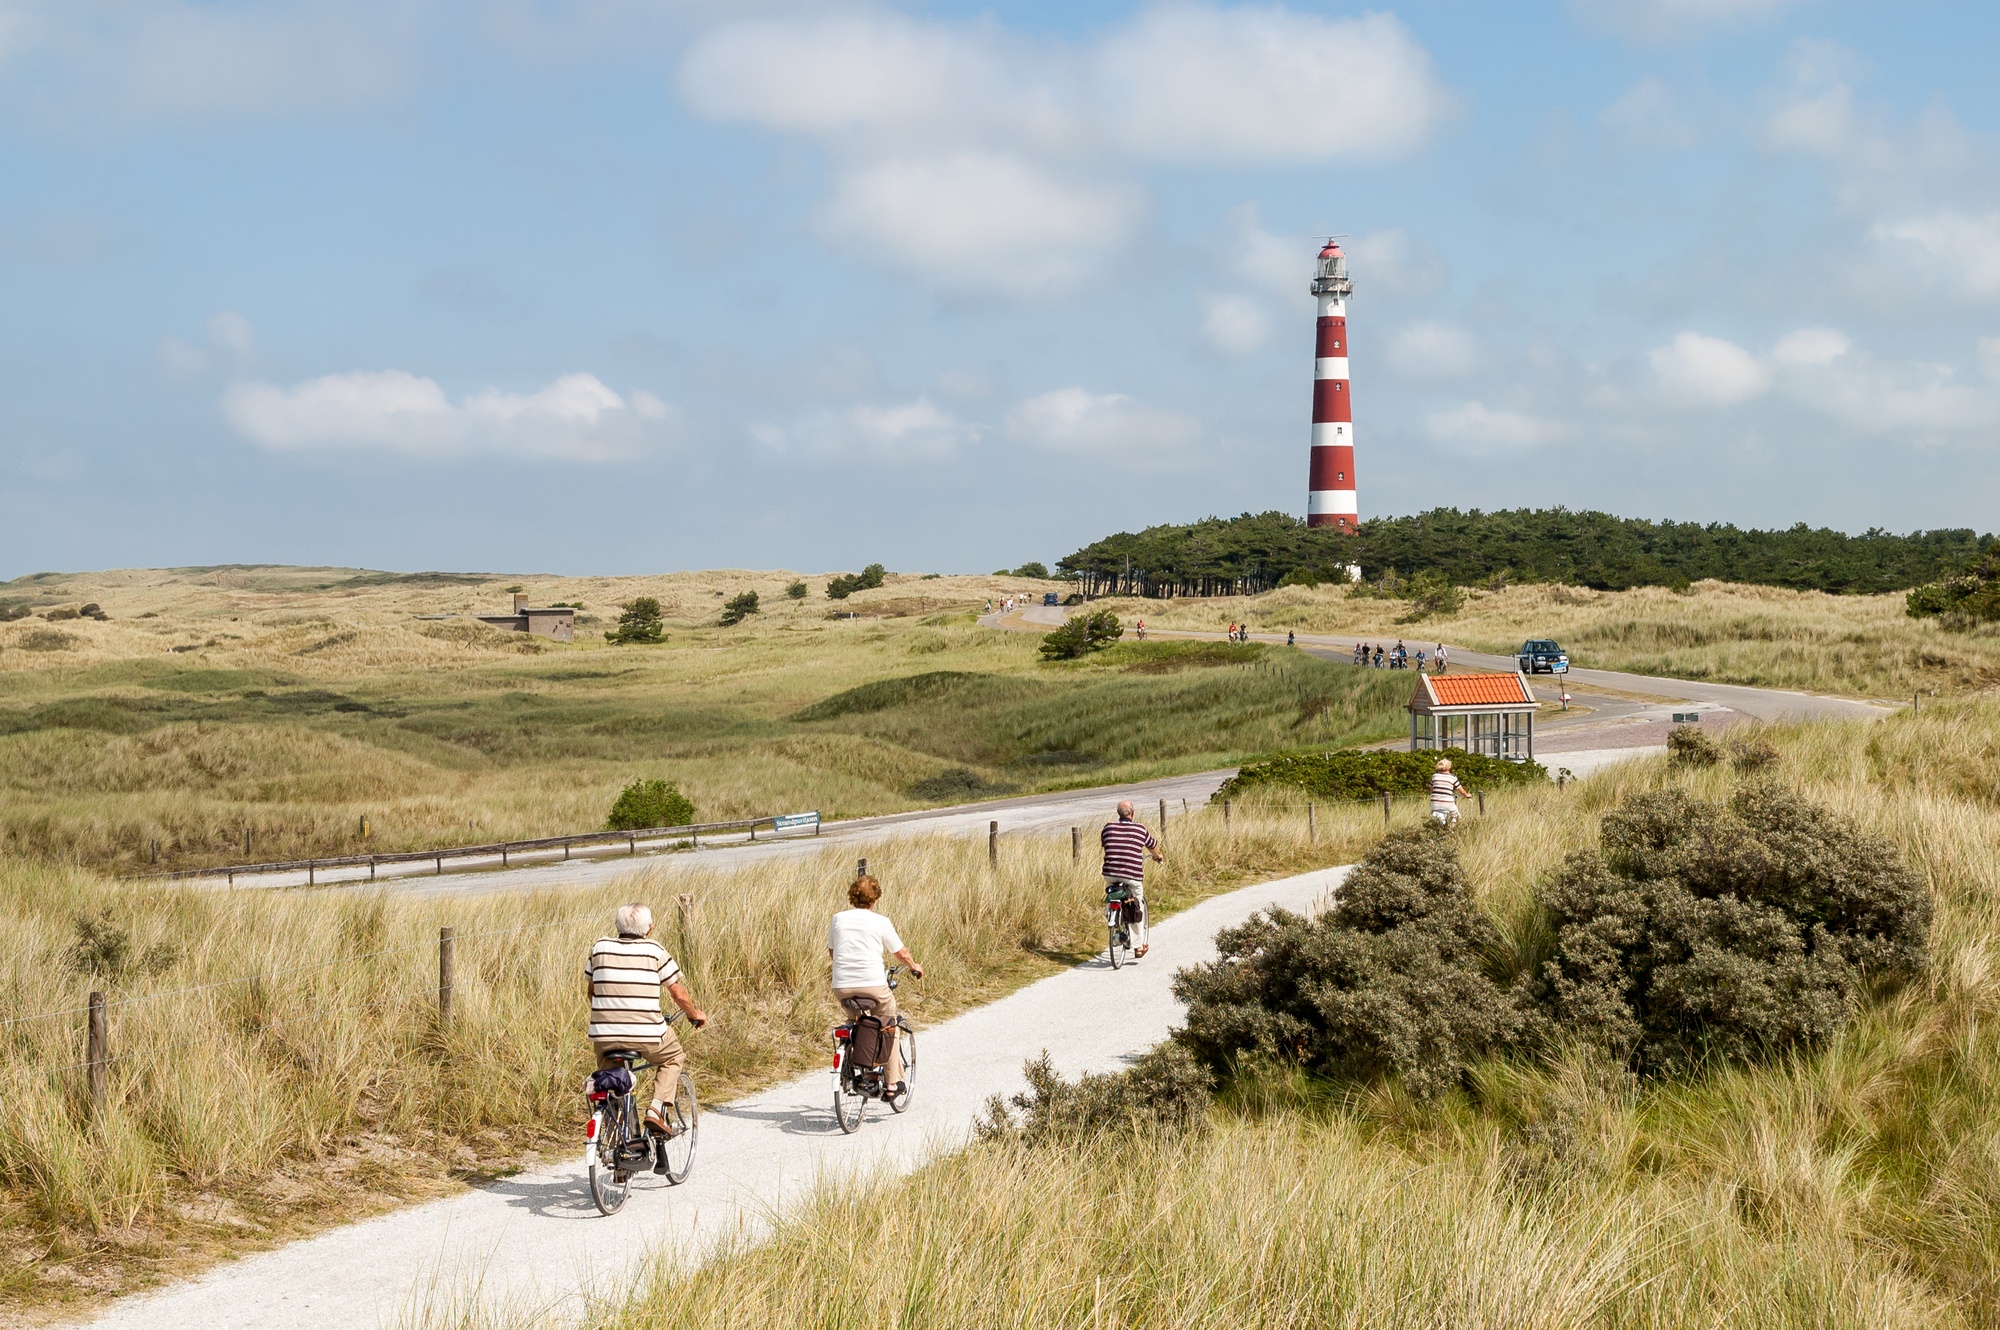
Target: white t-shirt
{"x": 858, "y": 938}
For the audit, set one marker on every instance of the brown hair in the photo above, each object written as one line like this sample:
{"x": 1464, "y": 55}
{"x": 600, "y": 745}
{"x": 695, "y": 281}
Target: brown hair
{"x": 864, "y": 893}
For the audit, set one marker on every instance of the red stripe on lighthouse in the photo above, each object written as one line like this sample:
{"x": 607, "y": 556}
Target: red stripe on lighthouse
{"x": 1332, "y": 338}
{"x": 1330, "y": 405}
{"x": 1332, "y": 469}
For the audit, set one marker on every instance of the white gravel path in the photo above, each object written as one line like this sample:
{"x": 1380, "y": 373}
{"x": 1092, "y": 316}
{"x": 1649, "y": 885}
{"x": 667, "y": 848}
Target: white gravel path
{"x": 535, "y": 1247}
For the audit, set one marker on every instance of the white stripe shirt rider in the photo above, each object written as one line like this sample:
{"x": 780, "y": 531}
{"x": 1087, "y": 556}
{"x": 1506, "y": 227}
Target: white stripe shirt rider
{"x": 627, "y": 976}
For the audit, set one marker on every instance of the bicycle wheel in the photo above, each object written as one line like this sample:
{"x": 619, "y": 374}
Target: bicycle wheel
{"x": 848, "y": 1102}
{"x": 610, "y": 1183}
{"x": 906, "y": 1044}
{"x": 685, "y": 1116}
{"x": 1113, "y": 931}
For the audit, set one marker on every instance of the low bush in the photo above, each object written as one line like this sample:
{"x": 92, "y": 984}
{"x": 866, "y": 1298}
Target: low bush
{"x": 1032, "y": 569}
{"x": 840, "y": 588}
{"x": 1687, "y": 746}
{"x": 1083, "y": 634}
{"x": 640, "y": 624}
{"x": 649, "y": 803}
{"x": 1353, "y": 774}
{"x": 796, "y": 591}
{"x": 1163, "y": 1094}
{"x": 738, "y": 608}
{"x": 1700, "y": 931}
{"x": 1386, "y": 982}
{"x": 1430, "y": 593}
{"x": 1971, "y": 597}
{"x": 955, "y": 785}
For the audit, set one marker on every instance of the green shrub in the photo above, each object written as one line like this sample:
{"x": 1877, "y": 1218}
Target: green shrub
{"x": 1303, "y": 575}
{"x": 641, "y": 623}
{"x": 1386, "y": 982}
{"x": 796, "y": 591}
{"x": 1083, "y": 634}
{"x": 955, "y": 785}
{"x": 840, "y": 588}
{"x": 645, "y": 804}
{"x": 1353, "y": 774}
{"x": 1031, "y": 569}
{"x": 1687, "y": 746}
{"x": 1701, "y": 931}
{"x": 1163, "y": 1094}
{"x": 738, "y": 608}
{"x": 1971, "y": 597}
{"x": 1429, "y": 593}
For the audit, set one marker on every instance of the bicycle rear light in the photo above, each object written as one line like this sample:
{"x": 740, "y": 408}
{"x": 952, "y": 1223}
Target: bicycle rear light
{"x": 590, "y": 1128}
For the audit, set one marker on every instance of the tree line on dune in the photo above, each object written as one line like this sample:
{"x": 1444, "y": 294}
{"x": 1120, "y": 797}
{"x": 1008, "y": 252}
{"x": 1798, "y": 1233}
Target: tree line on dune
{"x": 1257, "y": 552}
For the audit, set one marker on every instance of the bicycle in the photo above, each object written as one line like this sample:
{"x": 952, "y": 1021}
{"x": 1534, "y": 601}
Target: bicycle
{"x": 1119, "y": 911}
{"x": 617, "y": 1142}
{"x": 855, "y": 1084}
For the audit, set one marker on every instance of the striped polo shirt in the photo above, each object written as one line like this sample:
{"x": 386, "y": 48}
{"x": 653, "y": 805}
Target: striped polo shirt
{"x": 626, "y": 976}
{"x": 1444, "y": 790}
{"x": 1125, "y": 846}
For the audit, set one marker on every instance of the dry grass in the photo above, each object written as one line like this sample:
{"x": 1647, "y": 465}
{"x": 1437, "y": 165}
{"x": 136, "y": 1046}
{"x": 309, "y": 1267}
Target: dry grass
{"x": 281, "y": 1065}
{"x": 1858, "y": 645}
{"x": 1857, "y": 1187}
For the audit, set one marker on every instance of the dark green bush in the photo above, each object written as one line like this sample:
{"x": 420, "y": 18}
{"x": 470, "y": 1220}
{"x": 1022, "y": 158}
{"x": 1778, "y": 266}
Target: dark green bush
{"x": 1702, "y": 931}
{"x": 796, "y": 591}
{"x": 645, "y": 804}
{"x": 738, "y": 608}
{"x": 1083, "y": 634}
{"x": 1165, "y": 1093}
{"x": 1387, "y": 982}
{"x": 1031, "y": 569}
{"x": 840, "y": 588}
{"x": 1429, "y": 593}
{"x": 1969, "y": 598}
{"x": 1687, "y": 746}
{"x": 955, "y": 785}
{"x": 1352, "y": 774}
{"x": 641, "y": 624}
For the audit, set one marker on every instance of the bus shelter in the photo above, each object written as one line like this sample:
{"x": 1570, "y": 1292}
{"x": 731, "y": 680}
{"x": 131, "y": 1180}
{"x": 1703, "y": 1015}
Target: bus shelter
{"x": 1490, "y": 714}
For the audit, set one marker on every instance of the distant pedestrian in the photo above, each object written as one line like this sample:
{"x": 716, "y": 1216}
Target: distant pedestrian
{"x": 1291, "y": 639}
{"x": 1378, "y": 655}
{"x": 1446, "y": 791}
{"x": 1126, "y": 844}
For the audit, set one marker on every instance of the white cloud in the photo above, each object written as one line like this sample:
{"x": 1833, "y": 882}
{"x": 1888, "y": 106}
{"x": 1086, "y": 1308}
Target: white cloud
{"x": 1281, "y": 264}
{"x": 988, "y": 163}
{"x": 1234, "y": 325}
{"x": 1709, "y": 370}
{"x": 230, "y": 337}
{"x": 1396, "y": 262}
{"x": 980, "y": 223}
{"x": 1989, "y": 356}
{"x": 1232, "y": 87}
{"x": 232, "y": 333}
{"x": 1916, "y": 402}
{"x": 894, "y": 432}
{"x": 181, "y": 359}
{"x": 1649, "y": 115}
{"x": 1955, "y": 252}
{"x": 1434, "y": 351}
{"x": 1673, "y": 20}
{"x": 1476, "y": 428}
{"x": 1074, "y": 420}
{"x": 575, "y": 418}
{"x": 1810, "y": 346}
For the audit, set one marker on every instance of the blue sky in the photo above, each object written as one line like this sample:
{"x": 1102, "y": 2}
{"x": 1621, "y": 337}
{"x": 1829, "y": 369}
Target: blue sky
{"x": 612, "y": 286}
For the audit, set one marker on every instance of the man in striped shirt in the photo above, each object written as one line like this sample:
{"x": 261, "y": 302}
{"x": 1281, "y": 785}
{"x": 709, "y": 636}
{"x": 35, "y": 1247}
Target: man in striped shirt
{"x": 627, "y": 975}
{"x": 1126, "y": 844}
{"x": 1446, "y": 791}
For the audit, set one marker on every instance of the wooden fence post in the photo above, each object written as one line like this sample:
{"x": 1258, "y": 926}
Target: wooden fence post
{"x": 309, "y": 872}
{"x": 98, "y": 1054}
{"x": 1385, "y": 808}
{"x": 1312, "y": 829}
{"x": 1163, "y": 824}
{"x": 1225, "y": 814}
{"x": 992, "y": 844}
{"x": 1481, "y": 796}
{"x": 447, "y": 972}
{"x": 1076, "y": 845}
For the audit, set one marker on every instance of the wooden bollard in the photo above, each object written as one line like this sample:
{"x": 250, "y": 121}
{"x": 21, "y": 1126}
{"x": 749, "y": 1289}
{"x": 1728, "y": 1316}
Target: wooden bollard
{"x": 1312, "y": 830}
{"x": 1480, "y": 795}
{"x": 1225, "y": 814}
{"x": 992, "y": 844}
{"x": 1163, "y": 824}
{"x": 98, "y": 1055}
{"x": 1076, "y": 845}
{"x": 447, "y": 972}
{"x": 1385, "y": 808}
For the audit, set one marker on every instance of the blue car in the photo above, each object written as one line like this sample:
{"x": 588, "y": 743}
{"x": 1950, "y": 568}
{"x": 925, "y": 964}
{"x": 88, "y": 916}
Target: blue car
{"x": 1541, "y": 656}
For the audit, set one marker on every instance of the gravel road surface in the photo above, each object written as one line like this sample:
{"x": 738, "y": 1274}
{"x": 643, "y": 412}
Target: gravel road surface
{"x": 534, "y": 1245}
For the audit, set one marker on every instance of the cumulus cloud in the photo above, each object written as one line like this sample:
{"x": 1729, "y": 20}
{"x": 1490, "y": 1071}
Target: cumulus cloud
{"x": 1280, "y": 264}
{"x": 1478, "y": 429}
{"x": 1656, "y": 21}
{"x": 984, "y": 162}
{"x": 1953, "y": 252}
{"x": 1077, "y": 421}
{"x": 1650, "y": 115}
{"x": 1709, "y": 370}
{"x": 575, "y": 418}
{"x": 1234, "y": 325}
{"x": 1396, "y": 262}
{"x": 913, "y": 431}
{"x": 1811, "y": 346}
{"x": 1425, "y": 350}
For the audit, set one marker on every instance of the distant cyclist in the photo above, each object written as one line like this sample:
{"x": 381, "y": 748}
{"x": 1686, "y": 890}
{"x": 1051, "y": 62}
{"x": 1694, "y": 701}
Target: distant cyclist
{"x": 1126, "y": 844}
{"x": 1441, "y": 659}
{"x": 856, "y": 941}
{"x": 1446, "y": 791}
{"x": 1141, "y": 628}
{"x": 627, "y": 975}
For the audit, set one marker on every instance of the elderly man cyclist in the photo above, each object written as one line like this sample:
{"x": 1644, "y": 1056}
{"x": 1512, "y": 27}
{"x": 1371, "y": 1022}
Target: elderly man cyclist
{"x": 855, "y": 942}
{"x": 1126, "y": 844}
{"x": 627, "y": 975}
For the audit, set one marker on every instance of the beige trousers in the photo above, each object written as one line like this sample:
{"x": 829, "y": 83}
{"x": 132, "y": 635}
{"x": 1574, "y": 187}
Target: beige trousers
{"x": 667, "y": 1055}
{"x": 885, "y": 1009}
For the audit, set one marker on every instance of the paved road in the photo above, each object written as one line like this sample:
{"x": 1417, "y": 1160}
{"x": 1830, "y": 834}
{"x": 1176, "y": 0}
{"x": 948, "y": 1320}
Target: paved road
{"x": 535, "y": 1245}
{"x": 1034, "y": 812}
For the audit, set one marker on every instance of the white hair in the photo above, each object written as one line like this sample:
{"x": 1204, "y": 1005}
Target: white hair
{"x": 634, "y": 920}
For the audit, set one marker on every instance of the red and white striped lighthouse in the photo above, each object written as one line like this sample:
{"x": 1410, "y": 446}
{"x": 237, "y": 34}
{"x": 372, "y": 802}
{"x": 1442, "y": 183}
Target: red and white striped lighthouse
{"x": 1330, "y": 483}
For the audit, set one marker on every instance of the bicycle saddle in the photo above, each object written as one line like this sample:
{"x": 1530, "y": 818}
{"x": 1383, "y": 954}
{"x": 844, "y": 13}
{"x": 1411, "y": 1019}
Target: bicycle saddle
{"x": 629, "y": 1054}
{"x": 860, "y": 1006}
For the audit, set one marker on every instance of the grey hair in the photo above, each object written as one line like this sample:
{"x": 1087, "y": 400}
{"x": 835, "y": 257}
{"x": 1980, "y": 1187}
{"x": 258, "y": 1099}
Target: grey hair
{"x": 634, "y": 920}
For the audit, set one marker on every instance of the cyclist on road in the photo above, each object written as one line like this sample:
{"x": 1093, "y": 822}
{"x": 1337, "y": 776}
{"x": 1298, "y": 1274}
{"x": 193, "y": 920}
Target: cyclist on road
{"x": 1446, "y": 791}
{"x": 627, "y": 975}
{"x": 1126, "y": 844}
{"x": 856, "y": 941}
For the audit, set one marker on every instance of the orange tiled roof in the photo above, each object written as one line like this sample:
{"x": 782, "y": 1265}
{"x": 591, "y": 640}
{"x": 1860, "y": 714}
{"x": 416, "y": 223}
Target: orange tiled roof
{"x": 1467, "y": 690}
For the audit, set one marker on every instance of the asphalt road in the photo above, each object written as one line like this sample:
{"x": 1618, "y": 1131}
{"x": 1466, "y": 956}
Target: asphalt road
{"x": 535, "y": 1246}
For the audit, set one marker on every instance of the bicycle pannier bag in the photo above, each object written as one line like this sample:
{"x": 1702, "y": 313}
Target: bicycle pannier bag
{"x": 869, "y": 1045}
{"x": 612, "y": 1080}
{"x": 1135, "y": 910}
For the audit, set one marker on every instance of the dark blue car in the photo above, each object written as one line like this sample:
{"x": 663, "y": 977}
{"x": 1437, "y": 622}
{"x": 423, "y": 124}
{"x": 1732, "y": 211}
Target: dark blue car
{"x": 1541, "y": 656}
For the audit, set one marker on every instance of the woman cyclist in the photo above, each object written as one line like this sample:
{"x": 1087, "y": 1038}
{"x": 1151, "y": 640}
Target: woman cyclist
{"x": 856, "y": 942}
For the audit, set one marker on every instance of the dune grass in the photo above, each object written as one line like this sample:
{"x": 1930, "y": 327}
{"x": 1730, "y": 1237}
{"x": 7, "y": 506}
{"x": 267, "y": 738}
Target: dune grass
{"x": 1861, "y": 646}
{"x": 280, "y": 1063}
{"x": 1858, "y": 1186}
{"x": 312, "y": 701}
